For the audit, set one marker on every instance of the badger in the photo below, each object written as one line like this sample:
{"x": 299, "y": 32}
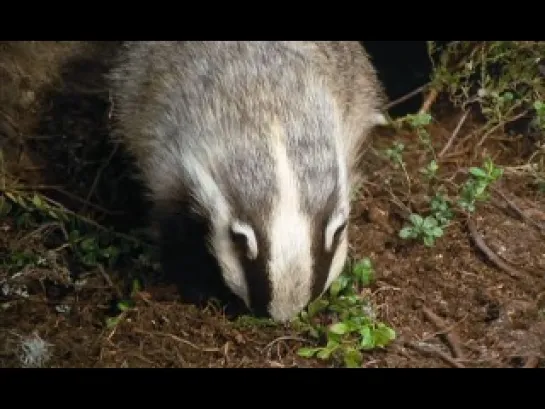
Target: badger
{"x": 258, "y": 139}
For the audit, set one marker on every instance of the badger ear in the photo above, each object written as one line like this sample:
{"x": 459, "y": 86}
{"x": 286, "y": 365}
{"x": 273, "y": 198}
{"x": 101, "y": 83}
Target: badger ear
{"x": 244, "y": 235}
{"x": 335, "y": 227}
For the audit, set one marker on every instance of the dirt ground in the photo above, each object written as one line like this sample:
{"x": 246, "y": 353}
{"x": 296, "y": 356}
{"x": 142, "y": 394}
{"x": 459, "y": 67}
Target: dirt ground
{"x": 451, "y": 305}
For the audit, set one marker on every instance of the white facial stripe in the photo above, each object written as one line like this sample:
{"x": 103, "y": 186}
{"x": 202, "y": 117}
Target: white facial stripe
{"x": 338, "y": 262}
{"x": 339, "y": 259}
{"x": 247, "y": 231}
{"x": 291, "y": 259}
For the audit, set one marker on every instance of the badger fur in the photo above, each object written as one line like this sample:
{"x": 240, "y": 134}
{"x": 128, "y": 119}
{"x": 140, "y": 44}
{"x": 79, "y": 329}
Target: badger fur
{"x": 259, "y": 139}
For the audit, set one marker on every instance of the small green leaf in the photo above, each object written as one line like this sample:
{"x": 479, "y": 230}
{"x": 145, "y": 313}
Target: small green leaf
{"x": 407, "y": 232}
{"x": 52, "y": 214}
{"x": 340, "y": 284}
{"x": 478, "y": 173}
{"x": 112, "y": 322}
{"x": 123, "y": 306}
{"x": 135, "y": 287}
{"x": 496, "y": 173}
{"x": 324, "y": 353}
{"x": 317, "y": 306}
{"x": 335, "y": 288}
{"x": 416, "y": 219}
{"x": 508, "y": 96}
{"x": 384, "y": 335}
{"x": 539, "y": 107}
{"x": 308, "y": 352}
{"x": 436, "y": 232}
{"x": 37, "y": 201}
{"x": 429, "y": 223}
{"x": 340, "y": 328}
{"x": 352, "y": 358}
{"x": 429, "y": 241}
{"x": 363, "y": 271}
{"x": 366, "y": 338}
{"x": 88, "y": 244}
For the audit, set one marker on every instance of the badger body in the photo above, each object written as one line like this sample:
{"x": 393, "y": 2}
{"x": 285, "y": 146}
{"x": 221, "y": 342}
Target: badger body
{"x": 260, "y": 141}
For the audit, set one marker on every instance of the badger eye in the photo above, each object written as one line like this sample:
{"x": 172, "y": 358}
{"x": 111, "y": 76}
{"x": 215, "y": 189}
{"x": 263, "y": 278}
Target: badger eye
{"x": 243, "y": 237}
{"x": 339, "y": 231}
{"x": 335, "y": 228}
{"x": 239, "y": 240}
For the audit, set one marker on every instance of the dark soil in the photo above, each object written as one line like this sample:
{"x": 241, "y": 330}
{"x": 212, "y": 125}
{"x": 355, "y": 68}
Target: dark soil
{"x": 451, "y": 305}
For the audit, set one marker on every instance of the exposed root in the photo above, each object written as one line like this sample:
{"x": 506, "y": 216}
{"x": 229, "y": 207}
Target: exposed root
{"x": 449, "y": 335}
{"x": 429, "y": 350}
{"x": 479, "y": 242}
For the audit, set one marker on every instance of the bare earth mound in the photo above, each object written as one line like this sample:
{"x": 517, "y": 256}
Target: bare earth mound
{"x": 475, "y": 299}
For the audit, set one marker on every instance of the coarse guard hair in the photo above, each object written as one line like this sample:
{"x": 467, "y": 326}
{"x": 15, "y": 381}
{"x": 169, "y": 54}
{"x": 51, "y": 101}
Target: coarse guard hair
{"x": 261, "y": 140}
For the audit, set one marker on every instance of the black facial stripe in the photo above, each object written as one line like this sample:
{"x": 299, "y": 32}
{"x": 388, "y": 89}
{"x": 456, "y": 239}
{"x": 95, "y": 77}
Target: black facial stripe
{"x": 256, "y": 273}
{"x": 322, "y": 258}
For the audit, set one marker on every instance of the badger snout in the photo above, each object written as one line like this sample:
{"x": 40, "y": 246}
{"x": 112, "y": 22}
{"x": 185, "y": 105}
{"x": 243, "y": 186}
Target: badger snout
{"x": 291, "y": 294}
{"x": 284, "y": 311}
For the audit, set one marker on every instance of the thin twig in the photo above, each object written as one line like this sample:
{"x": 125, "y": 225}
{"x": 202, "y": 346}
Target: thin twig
{"x": 498, "y": 125}
{"x": 286, "y": 338}
{"x": 479, "y": 242}
{"x": 428, "y": 102}
{"x": 109, "y": 281}
{"x": 454, "y": 134}
{"x": 405, "y": 97}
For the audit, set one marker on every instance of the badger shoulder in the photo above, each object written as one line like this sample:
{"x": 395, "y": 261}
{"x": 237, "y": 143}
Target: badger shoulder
{"x": 211, "y": 91}
{"x": 358, "y": 91}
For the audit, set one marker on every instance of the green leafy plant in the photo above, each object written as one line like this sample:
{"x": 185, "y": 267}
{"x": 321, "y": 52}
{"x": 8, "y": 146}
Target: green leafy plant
{"x": 353, "y": 327}
{"x": 475, "y": 188}
{"x": 426, "y": 228}
{"x": 124, "y": 305}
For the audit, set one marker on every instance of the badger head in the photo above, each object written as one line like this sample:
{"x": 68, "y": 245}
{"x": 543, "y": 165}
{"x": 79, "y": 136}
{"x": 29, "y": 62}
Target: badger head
{"x": 279, "y": 226}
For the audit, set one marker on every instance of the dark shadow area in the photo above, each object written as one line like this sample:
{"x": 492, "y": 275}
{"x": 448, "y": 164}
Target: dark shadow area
{"x": 75, "y": 150}
{"x": 402, "y": 66}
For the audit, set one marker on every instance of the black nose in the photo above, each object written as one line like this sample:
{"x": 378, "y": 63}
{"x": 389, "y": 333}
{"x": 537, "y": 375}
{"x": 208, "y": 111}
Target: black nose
{"x": 260, "y": 311}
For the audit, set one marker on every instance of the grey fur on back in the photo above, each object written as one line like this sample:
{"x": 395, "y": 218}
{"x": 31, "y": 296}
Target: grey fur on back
{"x": 205, "y": 119}
{"x": 163, "y": 87}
